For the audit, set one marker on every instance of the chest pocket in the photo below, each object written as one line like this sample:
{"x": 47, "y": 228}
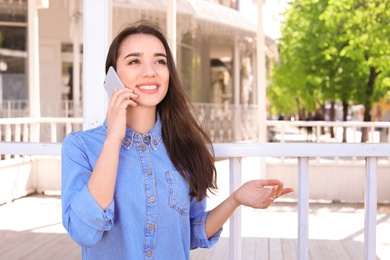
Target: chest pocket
{"x": 179, "y": 192}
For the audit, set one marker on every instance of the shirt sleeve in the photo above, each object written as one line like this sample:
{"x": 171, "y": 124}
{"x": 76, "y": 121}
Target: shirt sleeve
{"x": 82, "y": 216}
{"x": 198, "y": 217}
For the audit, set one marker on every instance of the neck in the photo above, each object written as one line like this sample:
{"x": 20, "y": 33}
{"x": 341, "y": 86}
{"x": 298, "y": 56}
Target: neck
{"x": 141, "y": 119}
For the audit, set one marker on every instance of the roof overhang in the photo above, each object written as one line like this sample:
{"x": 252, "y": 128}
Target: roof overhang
{"x": 209, "y": 17}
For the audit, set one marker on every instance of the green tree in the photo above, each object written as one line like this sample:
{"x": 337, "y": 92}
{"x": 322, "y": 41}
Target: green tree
{"x": 365, "y": 26}
{"x": 333, "y": 50}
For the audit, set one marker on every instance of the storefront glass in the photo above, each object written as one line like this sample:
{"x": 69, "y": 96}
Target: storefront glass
{"x": 13, "y": 54}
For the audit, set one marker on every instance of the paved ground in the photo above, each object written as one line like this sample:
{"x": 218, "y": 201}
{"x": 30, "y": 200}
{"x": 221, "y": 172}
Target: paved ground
{"x": 32, "y": 225}
{"x": 31, "y": 228}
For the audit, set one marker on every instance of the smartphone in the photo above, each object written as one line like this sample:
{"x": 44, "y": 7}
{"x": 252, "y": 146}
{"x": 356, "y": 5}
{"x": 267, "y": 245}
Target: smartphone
{"x": 112, "y": 81}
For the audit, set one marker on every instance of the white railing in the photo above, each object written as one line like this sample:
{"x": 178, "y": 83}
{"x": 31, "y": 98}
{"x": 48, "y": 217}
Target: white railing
{"x": 223, "y": 122}
{"x": 43, "y": 129}
{"x": 14, "y": 108}
{"x": 227, "y": 123}
{"x": 20, "y": 108}
{"x": 217, "y": 125}
{"x": 377, "y": 131}
{"x": 235, "y": 152}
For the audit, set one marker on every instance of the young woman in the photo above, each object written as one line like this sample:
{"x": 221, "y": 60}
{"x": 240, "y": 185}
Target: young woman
{"x": 135, "y": 187}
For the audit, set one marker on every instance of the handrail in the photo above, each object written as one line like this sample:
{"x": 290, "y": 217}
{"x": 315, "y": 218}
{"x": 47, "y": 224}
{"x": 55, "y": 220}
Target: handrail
{"x": 302, "y": 151}
{"x": 278, "y": 131}
{"x": 23, "y": 148}
{"x": 224, "y": 150}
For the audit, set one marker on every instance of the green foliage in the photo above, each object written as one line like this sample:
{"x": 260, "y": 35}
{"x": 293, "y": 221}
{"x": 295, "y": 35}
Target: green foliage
{"x": 336, "y": 50}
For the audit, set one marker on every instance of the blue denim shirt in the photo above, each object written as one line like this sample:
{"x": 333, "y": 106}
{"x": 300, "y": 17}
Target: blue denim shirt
{"x": 152, "y": 215}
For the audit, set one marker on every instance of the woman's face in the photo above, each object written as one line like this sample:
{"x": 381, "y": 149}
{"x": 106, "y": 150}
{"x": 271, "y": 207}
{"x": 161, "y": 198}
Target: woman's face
{"x": 142, "y": 66}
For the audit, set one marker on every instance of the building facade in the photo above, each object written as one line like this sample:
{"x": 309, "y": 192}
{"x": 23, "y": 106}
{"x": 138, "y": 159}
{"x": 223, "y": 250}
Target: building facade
{"x": 215, "y": 52}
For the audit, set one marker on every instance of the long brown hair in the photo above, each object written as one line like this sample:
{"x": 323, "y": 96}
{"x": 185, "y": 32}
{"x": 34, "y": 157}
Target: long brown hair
{"x": 189, "y": 147}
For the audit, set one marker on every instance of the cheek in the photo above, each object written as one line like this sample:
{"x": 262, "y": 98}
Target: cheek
{"x": 165, "y": 75}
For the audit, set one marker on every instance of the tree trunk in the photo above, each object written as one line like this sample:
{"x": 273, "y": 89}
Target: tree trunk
{"x": 323, "y": 118}
{"x": 345, "y": 115}
{"x": 368, "y": 103}
{"x": 332, "y": 117}
{"x": 301, "y": 110}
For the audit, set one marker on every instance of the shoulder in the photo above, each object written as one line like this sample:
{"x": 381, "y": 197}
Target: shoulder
{"x": 84, "y": 137}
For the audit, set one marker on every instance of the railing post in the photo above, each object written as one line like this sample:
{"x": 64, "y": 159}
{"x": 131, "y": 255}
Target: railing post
{"x": 303, "y": 208}
{"x": 235, "y": 220}
{"x": 370, "y": 208}
{"x": 8, "y": 138}
{"x": 53, "y": 129}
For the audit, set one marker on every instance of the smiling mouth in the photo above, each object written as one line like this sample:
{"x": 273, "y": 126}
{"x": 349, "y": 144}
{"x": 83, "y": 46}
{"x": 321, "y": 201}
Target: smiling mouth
{"x": 148, "y": 87}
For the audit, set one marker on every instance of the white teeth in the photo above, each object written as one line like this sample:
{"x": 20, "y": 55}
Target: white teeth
{"x": 148, "y": 87}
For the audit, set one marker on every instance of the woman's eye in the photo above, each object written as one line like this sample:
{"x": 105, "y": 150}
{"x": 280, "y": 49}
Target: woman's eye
{"x": 134, "y": 62}
{"x": 163, "y": 62}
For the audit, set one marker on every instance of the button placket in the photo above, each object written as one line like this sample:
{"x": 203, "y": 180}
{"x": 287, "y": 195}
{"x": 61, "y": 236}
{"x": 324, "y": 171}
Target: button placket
{"x": 150, "y": 196}
{"x": 126, "y": 143}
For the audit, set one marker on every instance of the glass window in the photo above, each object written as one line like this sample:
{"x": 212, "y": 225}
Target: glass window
{"x": 184, "y": 63}
{"x": 13, "y": 54}
{"x": 13, "y": 11}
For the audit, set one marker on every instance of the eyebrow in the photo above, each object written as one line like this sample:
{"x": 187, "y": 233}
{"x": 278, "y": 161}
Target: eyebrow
{"x": 138, "y": 54}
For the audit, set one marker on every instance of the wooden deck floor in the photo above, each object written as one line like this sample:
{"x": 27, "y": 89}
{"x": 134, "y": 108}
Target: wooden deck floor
{"x": 31, "y": 228}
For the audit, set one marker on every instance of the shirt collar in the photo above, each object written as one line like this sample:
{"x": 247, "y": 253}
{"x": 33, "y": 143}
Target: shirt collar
{"x": 153, "y": 138}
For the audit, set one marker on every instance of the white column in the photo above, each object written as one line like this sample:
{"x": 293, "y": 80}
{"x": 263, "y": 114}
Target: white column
{"x": 76, "y": 23}
{"x": 97, "y": 31}
{"x": 370, "y": 208}
{"x": 236, "y": 72}
{"x": 303, "y": 208}
{"x": 33, "y": 66}
{"x": 171, "y": 26}
{"x": 235, "y": 223}
{"x": 237, "y": 89}
{"x": 261, "y": 84}
{"x": 261, "y": 74}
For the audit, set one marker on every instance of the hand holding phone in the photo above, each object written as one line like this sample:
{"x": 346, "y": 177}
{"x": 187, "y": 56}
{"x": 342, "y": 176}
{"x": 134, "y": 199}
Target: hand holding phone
{"x": 112, "y": 81}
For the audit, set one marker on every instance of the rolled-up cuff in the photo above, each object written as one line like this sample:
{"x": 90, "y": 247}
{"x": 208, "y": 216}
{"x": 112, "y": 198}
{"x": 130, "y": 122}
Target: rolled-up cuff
{"x": 93, "y": 215}
{"x": 198, "y": 233}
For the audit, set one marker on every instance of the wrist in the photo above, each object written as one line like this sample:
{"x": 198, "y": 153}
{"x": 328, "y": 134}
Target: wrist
{"x": 113, "y": 142}
{"x": 233, "y": 201}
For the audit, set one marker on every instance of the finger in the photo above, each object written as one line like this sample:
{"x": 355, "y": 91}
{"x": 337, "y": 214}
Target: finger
{"x": 133, "y": 95}
{"x": 269, "y": 182}
{"x": 274, "y": 193}
{"x": 280, "y": 189}
{"x": 131, "y": 102}
{"x": 287, "y": 190}
{"x": 124, "y": 95}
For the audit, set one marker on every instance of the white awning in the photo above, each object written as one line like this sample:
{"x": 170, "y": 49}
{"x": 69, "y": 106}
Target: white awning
{"x": 209, "y": 17}
{"x": 215, "y": 17}
{"x": 183, "y": 6}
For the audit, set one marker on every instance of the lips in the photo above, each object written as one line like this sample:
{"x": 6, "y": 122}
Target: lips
{"x": 148, "y": 87}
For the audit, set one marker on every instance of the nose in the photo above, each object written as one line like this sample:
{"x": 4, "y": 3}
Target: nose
{"x": 149, "y": 70}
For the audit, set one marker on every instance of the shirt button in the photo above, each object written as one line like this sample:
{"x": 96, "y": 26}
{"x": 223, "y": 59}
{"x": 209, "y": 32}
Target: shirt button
{"x": 152, "y": 198}
{"x": 147, "y": 138}
{"x": 149, "y": 172}
{"x": 127, "y": 142}
{"x": 151, "y": 227}
{"x": 155, "y": 142}
{"x": 149, "y": 253}
{"x": 143, "y": 148}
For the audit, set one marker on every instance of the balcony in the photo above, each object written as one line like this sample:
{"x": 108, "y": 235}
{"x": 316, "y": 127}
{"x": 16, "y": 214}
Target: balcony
{"x": 320, "y": 172}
